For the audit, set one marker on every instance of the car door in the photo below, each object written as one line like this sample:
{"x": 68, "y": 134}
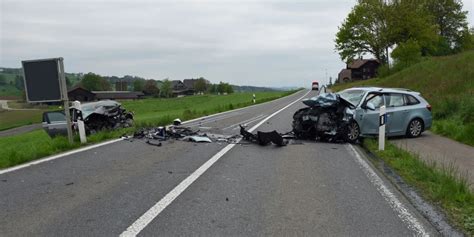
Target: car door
{"x": 54, "y": 123}
{"x": 397, "y": 113}
{"x": 367, "y": 119}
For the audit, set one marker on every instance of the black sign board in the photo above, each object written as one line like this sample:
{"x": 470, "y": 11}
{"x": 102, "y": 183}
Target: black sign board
{"x": 42, "y": 80}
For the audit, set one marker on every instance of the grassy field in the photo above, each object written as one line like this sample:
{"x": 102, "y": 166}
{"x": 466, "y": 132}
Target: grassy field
{"x": 148, "y": 112}
{"x": 440, "y": 185}
{"x": 448, "y": 85}
{"x": 15, "y": 118}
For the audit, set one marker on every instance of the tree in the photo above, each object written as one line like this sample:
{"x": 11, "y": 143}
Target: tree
{"x": 138, "y": 85}
{"x": 19, "y": 83}
{"x": 213, "y": 89}
{"x": 407, "y": 54}
{"x": 364, "y": 31}
{"x": 166, "y": 90}
{"x": 92, "y": 82}
{"x": 450, "y": 19}
{"x": 3, "y": 80}
{"x": 150, "y": 88}
{"x": 68, "y": 82}
{"x": 409, "y": 21}
{"x": 201, "y": 85}
{"x": 330, "y": 81}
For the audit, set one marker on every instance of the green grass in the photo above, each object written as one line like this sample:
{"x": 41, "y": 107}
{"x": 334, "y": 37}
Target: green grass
{"x": 441, "y": 185}
{"x": 149, "y": 112}
{"x": 15, "y": 118}
{"x": 448, "y": 85}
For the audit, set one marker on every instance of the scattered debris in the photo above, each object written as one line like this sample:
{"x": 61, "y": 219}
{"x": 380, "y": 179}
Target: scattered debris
{"x": 177, "y": 122}
{"x": 152, "y": 143}
{"x": 199, "y": 139}
{"x": 71, "y": 183}
{"x": 263, "y": 138}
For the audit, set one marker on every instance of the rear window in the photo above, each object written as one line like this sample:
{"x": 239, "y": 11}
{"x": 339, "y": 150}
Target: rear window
{"x": 54, "y": 117}
{"x": 411, "y": 100}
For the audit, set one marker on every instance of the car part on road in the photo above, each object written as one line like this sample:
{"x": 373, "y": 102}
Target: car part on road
{"x": 263, "y": 138}
{"x": 327, "y": 118}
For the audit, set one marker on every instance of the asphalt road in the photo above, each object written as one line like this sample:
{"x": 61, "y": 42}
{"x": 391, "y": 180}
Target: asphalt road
{"x": 303, "y": 189}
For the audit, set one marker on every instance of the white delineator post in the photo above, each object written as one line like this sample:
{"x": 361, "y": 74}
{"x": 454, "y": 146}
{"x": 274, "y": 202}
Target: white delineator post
{"x": 382, "y": 121}
{"x": 80, "y": 123}
{"x": 254, "y": 99}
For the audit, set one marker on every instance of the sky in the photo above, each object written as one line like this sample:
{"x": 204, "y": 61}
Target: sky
{"x": 260, "y": 43}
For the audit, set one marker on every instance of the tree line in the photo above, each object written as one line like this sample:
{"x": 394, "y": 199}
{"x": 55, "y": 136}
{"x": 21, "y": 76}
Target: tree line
{"x": 151, "y": 87}
{"x": 409, "y": 29}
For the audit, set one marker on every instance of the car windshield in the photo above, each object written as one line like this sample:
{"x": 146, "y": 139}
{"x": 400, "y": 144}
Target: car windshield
{"x": 353, "y": 96}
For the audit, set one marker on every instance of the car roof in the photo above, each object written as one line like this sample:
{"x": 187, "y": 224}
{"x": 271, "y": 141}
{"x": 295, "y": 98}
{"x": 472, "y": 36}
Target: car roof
{"x": 385, "y": 89}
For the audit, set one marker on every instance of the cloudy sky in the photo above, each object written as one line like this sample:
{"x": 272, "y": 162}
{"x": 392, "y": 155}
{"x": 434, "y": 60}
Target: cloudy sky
{"x": 261, "y": 42}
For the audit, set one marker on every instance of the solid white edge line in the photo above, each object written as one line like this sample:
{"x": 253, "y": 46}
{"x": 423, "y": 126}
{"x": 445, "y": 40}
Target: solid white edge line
{"x": 156, "y": 209}
{"x": 57, "y": 156}
{"x": 402, "y": 212}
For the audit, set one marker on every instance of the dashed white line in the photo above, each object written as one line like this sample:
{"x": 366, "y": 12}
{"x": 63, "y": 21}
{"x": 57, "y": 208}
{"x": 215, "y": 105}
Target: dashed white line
{"x": 402, "y": 212}
{"x": 156, "y": 209}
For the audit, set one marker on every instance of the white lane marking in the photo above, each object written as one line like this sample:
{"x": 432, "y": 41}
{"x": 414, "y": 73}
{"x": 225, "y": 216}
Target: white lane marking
{"x": 402, "y": 212}
{"x": 245, "y": 121}
{"x": 156, "y": 209}
{"x": 54, "y": 157}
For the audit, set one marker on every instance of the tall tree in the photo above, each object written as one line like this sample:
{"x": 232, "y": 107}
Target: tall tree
{"x": 201, "y": 85}
{"x": 450, "y": 19}
{"x": 19, "y": 82}
{"x": 94, "y": 82}
{"x": 138, "y": 85}
{"x": 150, "y": 88}
{"x": 364, "y": 31}
{"x": 166, "y": 90}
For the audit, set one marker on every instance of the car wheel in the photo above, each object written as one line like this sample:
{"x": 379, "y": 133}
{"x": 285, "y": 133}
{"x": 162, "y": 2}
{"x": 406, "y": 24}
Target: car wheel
{"x": 415, "y": 128}
{"x": 353, "y": 132}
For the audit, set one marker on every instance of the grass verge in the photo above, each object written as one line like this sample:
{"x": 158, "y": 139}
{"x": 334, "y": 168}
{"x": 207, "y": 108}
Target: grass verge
{"x": 441, "y": 185}
{"x": 149, "y": 112}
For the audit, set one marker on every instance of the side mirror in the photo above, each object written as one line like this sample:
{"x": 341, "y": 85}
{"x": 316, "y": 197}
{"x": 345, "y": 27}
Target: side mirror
{"x": 370, "y": 106}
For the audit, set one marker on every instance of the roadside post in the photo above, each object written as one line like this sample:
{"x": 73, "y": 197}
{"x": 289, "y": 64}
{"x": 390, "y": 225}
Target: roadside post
{"x": 382, "y": 121}
{"x": 80, "y": 123}
{"x": 254, "y": 99}
{"x": 45, "y": 81}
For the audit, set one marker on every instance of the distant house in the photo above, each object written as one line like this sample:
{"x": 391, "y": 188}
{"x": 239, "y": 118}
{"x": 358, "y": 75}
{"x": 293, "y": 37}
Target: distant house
{"x": 359, "y": 69}
{"x": 80, "y": 94}
{"x": 180, "y": 89}
{"x": 83, "y": 95}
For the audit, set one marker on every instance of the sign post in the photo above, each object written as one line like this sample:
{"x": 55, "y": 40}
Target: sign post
{"x": 45, "y": 81}
{"x": 65, "y": 99}
{"x": 382, "y": 121}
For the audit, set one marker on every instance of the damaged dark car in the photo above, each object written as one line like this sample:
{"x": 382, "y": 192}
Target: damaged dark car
{"x": 328, "y": 117}
{"x": 97, "y": 116}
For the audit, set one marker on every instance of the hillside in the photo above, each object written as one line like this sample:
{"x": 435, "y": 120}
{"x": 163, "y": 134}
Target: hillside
{"x": 447, "y": 83}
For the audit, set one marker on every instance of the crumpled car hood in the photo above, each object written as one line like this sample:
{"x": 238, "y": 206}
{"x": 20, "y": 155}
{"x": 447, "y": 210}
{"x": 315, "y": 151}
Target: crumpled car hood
{"x": 327, "y": 100}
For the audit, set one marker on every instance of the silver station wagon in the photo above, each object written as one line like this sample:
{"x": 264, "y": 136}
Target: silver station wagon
{"x": 408, "y": 113}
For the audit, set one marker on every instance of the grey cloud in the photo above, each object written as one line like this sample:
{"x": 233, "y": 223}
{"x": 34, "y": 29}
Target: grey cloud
{"x": 265, "y": 43}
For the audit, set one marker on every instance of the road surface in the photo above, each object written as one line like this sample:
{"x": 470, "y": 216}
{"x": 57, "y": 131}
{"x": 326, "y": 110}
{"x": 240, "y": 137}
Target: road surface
{"x": 131, "y": 188}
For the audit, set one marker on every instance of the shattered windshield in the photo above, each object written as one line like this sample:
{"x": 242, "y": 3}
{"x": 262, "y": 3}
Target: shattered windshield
{"x": 353, "y": 96}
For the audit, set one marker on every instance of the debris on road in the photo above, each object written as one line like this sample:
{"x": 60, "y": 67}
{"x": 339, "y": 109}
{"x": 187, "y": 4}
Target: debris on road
{"x": 198, "y": 139}
{"x": 326, "y": 118}
{"x": 263, "y": 138}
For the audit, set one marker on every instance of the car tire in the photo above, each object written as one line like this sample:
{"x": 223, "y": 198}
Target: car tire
{"x": 353, "y": 132}
{"x": 415, "y": 128}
